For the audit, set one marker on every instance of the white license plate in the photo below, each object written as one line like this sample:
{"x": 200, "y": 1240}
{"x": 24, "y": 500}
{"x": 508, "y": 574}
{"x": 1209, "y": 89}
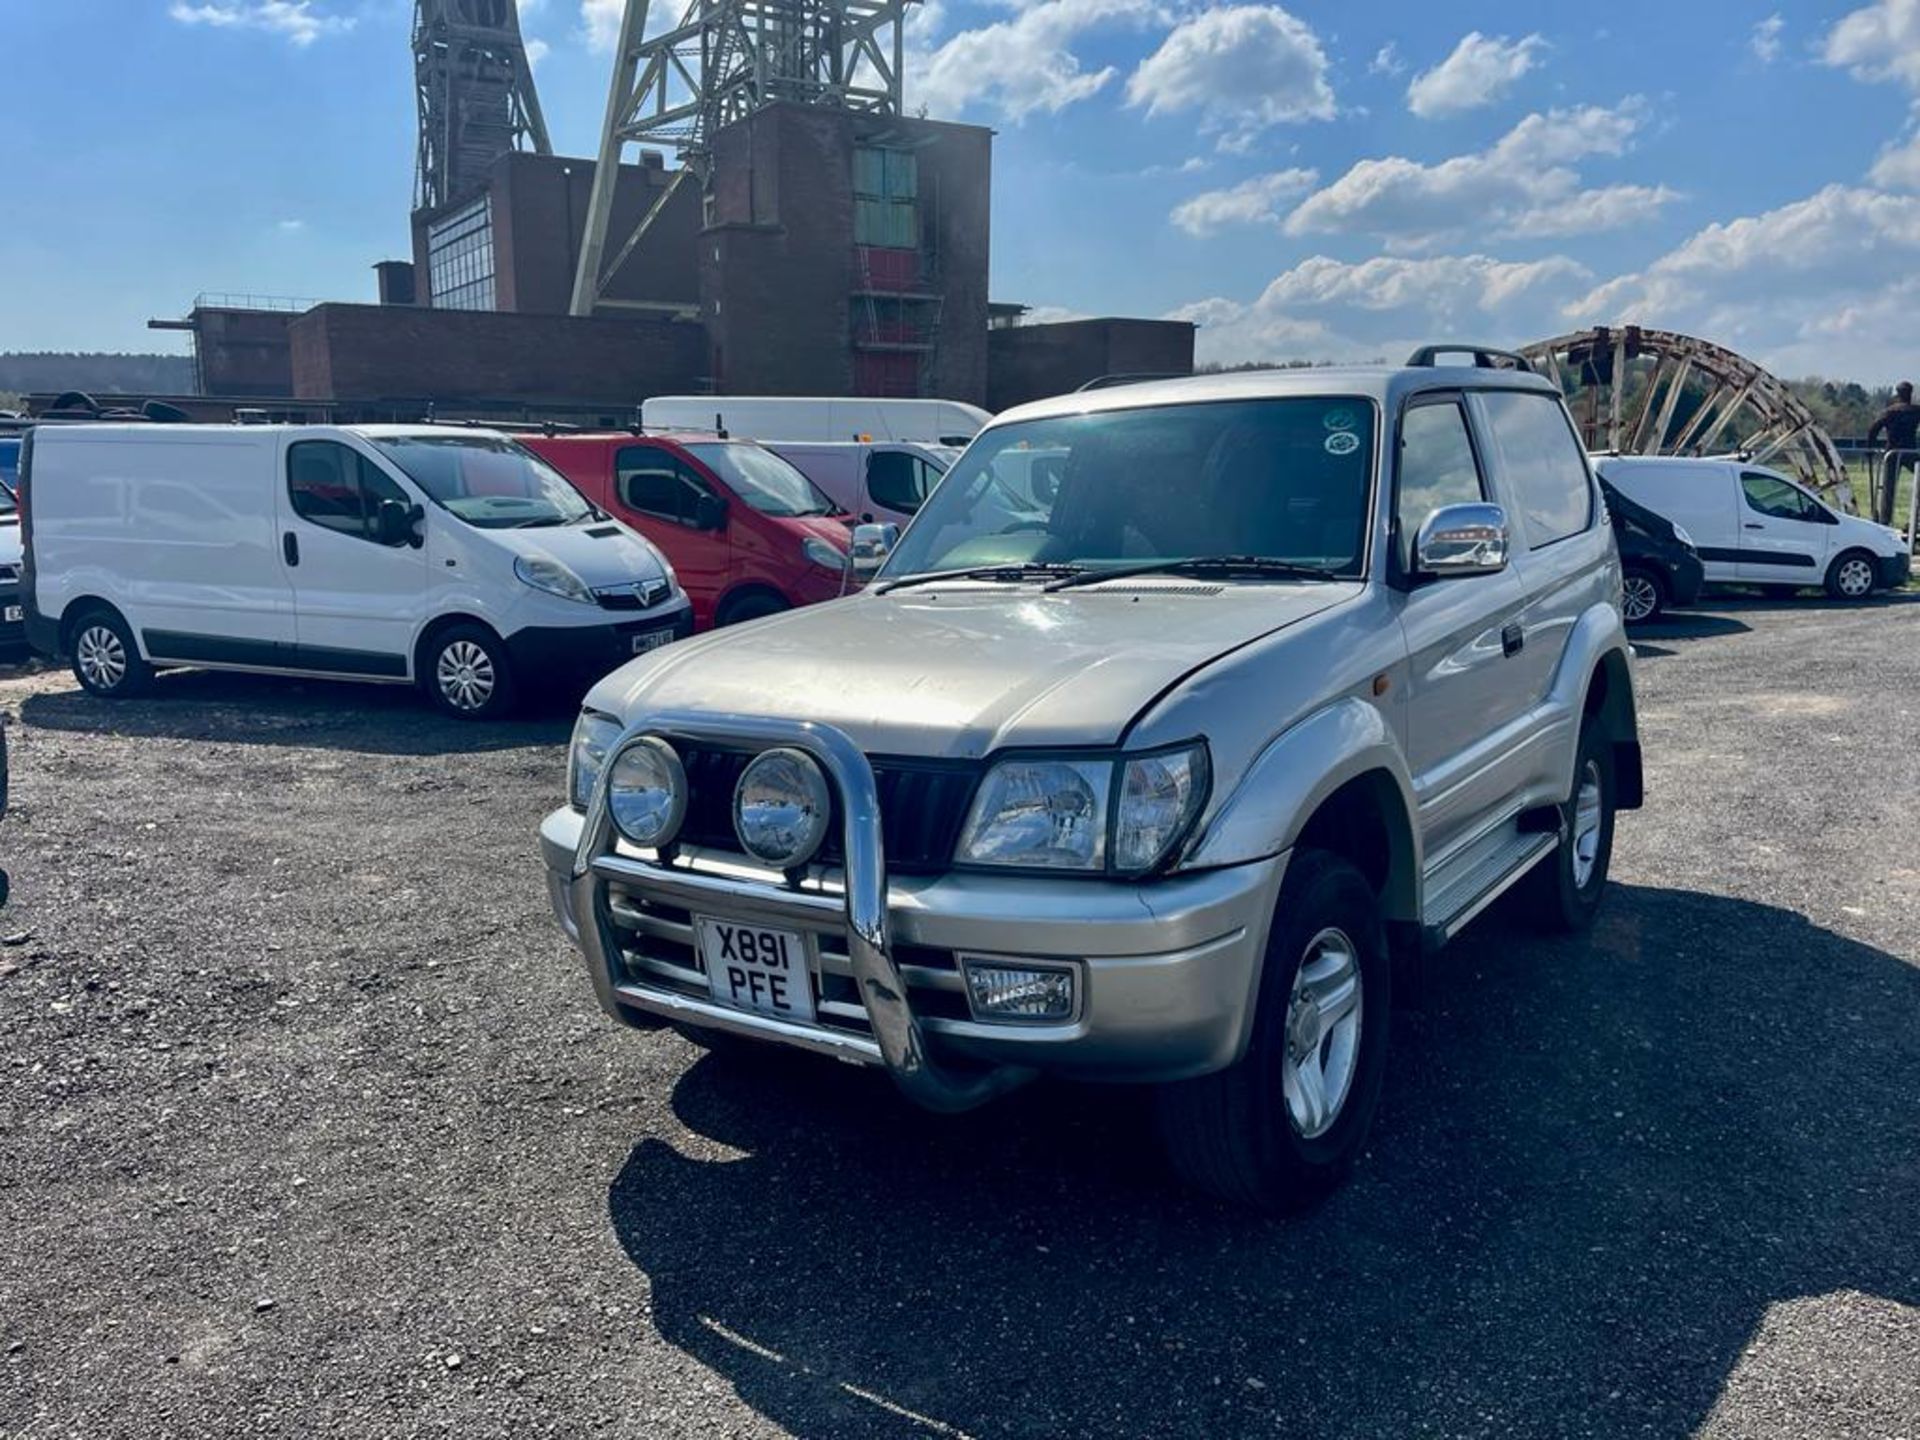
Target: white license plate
{"x": 652, "y": 640}
{"x": 752, "y": 968}
{"x": 13, "y": 615}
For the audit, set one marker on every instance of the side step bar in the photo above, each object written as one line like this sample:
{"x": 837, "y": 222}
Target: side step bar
{"x": 1483, "y": 882}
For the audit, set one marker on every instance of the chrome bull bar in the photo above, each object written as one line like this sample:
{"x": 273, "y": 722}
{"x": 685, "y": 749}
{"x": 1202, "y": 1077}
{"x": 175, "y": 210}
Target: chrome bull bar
{"x": 897, "y": 1034}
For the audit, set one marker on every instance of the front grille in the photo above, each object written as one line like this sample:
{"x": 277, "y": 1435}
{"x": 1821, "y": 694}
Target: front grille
{"x": 642, "y": 596}
{"x": 923, "y": 804}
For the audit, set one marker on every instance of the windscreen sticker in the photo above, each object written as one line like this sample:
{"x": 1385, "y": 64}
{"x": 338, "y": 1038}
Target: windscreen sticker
{"x": 1341, "y": 420}
{"x": 1342, "y": 442}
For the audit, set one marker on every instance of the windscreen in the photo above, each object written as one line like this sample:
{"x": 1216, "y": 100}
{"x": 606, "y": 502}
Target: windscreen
{"x": 1287, "y": 480}
{"x": 763, "y": 479}
{"x": 486, "y": 481}
{"x": 9, "y": 478}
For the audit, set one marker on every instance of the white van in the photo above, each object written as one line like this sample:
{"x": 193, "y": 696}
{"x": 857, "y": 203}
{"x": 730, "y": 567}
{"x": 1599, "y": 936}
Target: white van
{"x": 779, "y": 417}
{"x": 1755, "y": 526}
{"x": 883, "y": 482}
{"x": 452, "y": 558}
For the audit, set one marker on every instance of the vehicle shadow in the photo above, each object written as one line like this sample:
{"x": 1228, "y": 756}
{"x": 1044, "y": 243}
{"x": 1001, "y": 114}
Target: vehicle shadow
{"x": 244, "y": 709}
{"x": 1598, "y": 1164}
{"x": 1738, "y": 600}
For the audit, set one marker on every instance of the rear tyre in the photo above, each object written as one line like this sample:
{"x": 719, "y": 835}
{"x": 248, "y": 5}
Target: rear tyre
{"x": 1643, "y": 595}
{"x": 466, "y": 673}
{"x": 1281, "y": 1127}
{"x": 756, "y": 605}
{"x": 1852, "y": 576}
{"x": 106, "y": 662}
{"x": 1562, "y": 892}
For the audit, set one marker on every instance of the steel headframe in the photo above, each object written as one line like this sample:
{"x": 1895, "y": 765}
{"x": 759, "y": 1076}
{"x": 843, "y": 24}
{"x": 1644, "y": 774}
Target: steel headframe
{"x": 723, "y": 61}
{"x": 1635, "y": 391}
{"x": 476, "y": 94}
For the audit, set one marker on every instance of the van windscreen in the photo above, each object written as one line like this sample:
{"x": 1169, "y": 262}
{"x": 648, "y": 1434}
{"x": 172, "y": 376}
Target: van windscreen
{"x": 488, "y": 482}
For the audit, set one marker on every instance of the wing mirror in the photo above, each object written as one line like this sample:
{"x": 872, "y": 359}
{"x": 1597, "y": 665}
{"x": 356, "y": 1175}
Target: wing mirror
{"x": 398, "y": 523}
{"x": 872, "y": 544}
{"x": 1462, "y": 540}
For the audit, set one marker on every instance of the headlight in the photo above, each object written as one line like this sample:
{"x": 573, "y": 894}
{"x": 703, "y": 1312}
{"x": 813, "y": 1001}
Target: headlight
{"x": 647, "y": 792}
{"x": 543, "y": 572}
{"x": 1041, "y": 814}
{"x": 593, "y": 735}
{"x": 781, "y": 807}
{"x": 1680, "y": 534}
{"x": 822, "y": 553}
{"x": 1159, "y": 797}
{"x": 1124, "y": 814}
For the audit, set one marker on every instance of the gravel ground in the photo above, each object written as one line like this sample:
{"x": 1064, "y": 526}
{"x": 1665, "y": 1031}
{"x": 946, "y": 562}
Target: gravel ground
{"x": 309, "y": 1125}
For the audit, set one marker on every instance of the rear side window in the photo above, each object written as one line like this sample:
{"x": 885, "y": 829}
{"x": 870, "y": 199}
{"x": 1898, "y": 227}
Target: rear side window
{"x": 337, "y": 488}
{"x": 1543, "y": 464}
{"x": 1437, "y": 466}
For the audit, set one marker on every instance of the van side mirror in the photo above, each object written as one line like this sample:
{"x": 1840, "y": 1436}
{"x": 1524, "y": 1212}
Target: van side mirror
{"x": 398, "y": 523}
{"x": 709, "y": 513}
{"x": 872, "y": 544}
{"x": 1462, "y": 540}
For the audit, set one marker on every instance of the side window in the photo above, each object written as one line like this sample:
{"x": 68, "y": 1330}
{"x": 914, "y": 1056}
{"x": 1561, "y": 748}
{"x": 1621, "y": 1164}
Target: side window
{"x": 655, "y": 483}
{"x": 1542, "y": 463}
{"x": 1437, "y": 466}
{"x": 337, "y": 488}
{"x": 1771, "y": 495}
{"x": 894, "y": 480}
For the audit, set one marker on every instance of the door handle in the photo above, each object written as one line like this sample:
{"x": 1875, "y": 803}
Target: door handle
{"x": 1754, "y": 525}
{"x": 290, "y": 547}
{"x": 1512, "y": 640}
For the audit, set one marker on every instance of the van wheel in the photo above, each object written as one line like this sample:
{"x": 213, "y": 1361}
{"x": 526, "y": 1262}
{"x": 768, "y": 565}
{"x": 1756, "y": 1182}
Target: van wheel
{"x": 1852, "y": 576}
{"x": 466, "y": 673}
{"x": 1285, "y": 1123}
{"x": 1562, "y": 892}
{"x": 1643, "y": 595}
{"x": 106, "y": 662}
{"x": 755, "y": 605}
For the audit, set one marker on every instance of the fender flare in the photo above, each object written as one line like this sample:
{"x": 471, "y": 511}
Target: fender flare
{"x": 1597, "y": 652}
{"x": 1296, "y": 773}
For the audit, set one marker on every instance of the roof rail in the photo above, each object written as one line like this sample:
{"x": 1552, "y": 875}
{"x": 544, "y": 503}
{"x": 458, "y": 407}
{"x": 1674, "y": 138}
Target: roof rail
{"x": 1484, "y": 357}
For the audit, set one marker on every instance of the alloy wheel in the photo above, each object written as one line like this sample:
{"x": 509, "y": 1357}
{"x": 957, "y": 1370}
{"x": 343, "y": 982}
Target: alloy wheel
{"x": 101, "y": 657}
{"x": 1587, "y": 815}
{"x": 1323, "y": 1034}
{"x": 465, "y": 675}
{"x": 1639, "y": 599}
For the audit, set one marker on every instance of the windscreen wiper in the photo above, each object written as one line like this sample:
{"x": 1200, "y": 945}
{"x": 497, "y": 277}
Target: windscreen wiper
{"x": 1263, "y": 566}
{"x": 1007, "y": 574}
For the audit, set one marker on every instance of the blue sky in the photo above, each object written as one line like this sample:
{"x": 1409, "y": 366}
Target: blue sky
{"x": 1313, "y": 180}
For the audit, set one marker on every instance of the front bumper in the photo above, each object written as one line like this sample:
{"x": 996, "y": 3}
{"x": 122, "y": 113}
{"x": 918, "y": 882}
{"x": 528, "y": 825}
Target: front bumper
{"x": 1166, "y": 972}
{"x": 13, "y": 632}
{"x": 1896, "y": 570}
{"x": 1687, "y": 576}
{"x": 577, "y": 655}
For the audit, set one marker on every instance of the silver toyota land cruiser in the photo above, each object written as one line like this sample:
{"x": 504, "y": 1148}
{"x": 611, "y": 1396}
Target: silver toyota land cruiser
{"x": 1184, "y": 721}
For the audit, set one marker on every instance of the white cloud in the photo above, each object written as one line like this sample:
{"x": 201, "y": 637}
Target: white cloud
{"x": 1481, "y": 69}
{"x": 1898, "y": 166}
{"x": 1386, "y": 61}
{"x": 602, "y": 21}
{"x": 294, "y": 19}
{"x": 1242, "y": 68}
{"x": 1252, "y": 202}
{"x": 1765, "y": 39}
{"x": 1326, "y": 309}
{"x": 1017, "y": 66}
{"x": 1523, "y": 184}
{"x": 537, "y": 50}
{"x": 1880, "y": 41}
{"x": 1804, "y": 287}
{"x": 291, "y": 227}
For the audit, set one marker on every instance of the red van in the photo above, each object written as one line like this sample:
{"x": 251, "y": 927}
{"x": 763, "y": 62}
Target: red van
{"x": 747, "y": 533}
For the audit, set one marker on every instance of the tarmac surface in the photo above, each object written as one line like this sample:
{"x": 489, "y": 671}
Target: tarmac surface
{"x": 309, "y": 1124}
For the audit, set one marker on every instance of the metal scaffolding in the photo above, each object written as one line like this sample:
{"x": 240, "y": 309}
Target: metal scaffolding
{"x": 724, "y": 60}
{"x": 1636, "y": 391}
{"x": 476, "y": 94}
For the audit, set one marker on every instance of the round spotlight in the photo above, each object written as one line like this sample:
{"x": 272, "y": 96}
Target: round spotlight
{"x": 647, "y": 792}
{"x": 781, "y": 808}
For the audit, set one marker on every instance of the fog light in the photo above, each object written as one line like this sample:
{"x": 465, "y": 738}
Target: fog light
{"x": 1033, "y": 994}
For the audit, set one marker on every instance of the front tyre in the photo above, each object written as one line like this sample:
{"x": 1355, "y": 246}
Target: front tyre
{"x": 1852, "y": 576}
{"x": 1282, "y": 1126}
{"x": 467, "y": 674}
{"x": 106, "y": 661}
{"x": 1562, "y": 892}
{"x": 1643, "y": 595}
